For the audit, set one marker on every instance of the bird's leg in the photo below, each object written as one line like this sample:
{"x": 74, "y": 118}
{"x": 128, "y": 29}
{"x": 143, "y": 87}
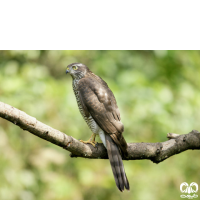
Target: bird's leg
{"x": 91, "y": 140}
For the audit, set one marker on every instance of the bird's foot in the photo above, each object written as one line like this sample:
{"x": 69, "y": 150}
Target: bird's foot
{"x": 93, "y": 143}
{"x": 90, "y": 141}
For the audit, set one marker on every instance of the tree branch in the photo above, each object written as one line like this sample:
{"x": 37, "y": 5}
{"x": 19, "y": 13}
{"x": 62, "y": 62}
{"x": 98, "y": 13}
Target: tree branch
{"x": 156, "y": 152}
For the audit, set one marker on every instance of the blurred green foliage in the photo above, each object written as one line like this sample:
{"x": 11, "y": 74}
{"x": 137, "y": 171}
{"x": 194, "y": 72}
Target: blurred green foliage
{"x": 157, "y": 92}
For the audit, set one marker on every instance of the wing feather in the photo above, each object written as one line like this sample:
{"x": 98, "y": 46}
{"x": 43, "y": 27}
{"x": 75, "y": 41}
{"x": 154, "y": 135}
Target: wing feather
{"x": 100, "y": 102}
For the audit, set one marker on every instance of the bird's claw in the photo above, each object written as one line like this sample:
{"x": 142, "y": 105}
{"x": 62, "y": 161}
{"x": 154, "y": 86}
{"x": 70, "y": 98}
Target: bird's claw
{"x": 91, "y": 140}
{"x": 93, "y": 143}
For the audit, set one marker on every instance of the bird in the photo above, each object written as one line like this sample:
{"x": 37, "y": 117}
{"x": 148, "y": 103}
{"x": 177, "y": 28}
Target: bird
{"x": 99, "y": 109}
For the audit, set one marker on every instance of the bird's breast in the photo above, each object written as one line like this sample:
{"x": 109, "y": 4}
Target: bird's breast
{"x": 89, "y": 120}
{"x": 94, "y": 127}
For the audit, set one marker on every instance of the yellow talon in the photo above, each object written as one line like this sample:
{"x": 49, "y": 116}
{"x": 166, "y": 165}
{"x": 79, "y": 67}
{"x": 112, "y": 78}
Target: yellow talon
{"x": 91, "y": 140}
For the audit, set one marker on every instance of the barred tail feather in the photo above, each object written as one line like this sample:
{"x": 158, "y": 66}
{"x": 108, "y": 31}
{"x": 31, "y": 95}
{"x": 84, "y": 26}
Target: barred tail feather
{"x": 116, "y": 164}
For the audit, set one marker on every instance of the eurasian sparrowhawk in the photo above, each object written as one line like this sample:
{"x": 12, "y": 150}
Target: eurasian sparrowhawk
{"x": 99, "y": 109}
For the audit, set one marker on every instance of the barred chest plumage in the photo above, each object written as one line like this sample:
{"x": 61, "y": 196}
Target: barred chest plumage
{"x": 89, "y": 120}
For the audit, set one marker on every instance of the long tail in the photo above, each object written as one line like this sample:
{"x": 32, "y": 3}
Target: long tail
{"x": 116, "y": 164}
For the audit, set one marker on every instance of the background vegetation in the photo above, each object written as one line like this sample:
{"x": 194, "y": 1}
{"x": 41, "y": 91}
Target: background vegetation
{"x": 157, "y": 92}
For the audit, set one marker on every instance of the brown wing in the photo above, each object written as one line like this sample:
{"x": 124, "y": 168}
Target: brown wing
{"x": 100, "y": 102}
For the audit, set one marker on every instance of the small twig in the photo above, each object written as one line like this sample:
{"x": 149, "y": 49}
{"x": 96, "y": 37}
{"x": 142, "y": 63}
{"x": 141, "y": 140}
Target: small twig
{"x": 172, "y": 135}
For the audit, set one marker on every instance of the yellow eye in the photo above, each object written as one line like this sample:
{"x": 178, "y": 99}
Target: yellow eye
{"x": 74, "y": 67}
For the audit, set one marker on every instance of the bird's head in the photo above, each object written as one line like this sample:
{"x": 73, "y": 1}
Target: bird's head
{"x": 77, "y": 70}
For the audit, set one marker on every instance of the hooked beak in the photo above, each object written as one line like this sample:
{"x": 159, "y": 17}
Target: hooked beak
{"x": 67, "y": 71}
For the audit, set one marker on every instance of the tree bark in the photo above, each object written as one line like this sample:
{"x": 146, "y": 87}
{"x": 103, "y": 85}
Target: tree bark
{"x": 156, "y": 152}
